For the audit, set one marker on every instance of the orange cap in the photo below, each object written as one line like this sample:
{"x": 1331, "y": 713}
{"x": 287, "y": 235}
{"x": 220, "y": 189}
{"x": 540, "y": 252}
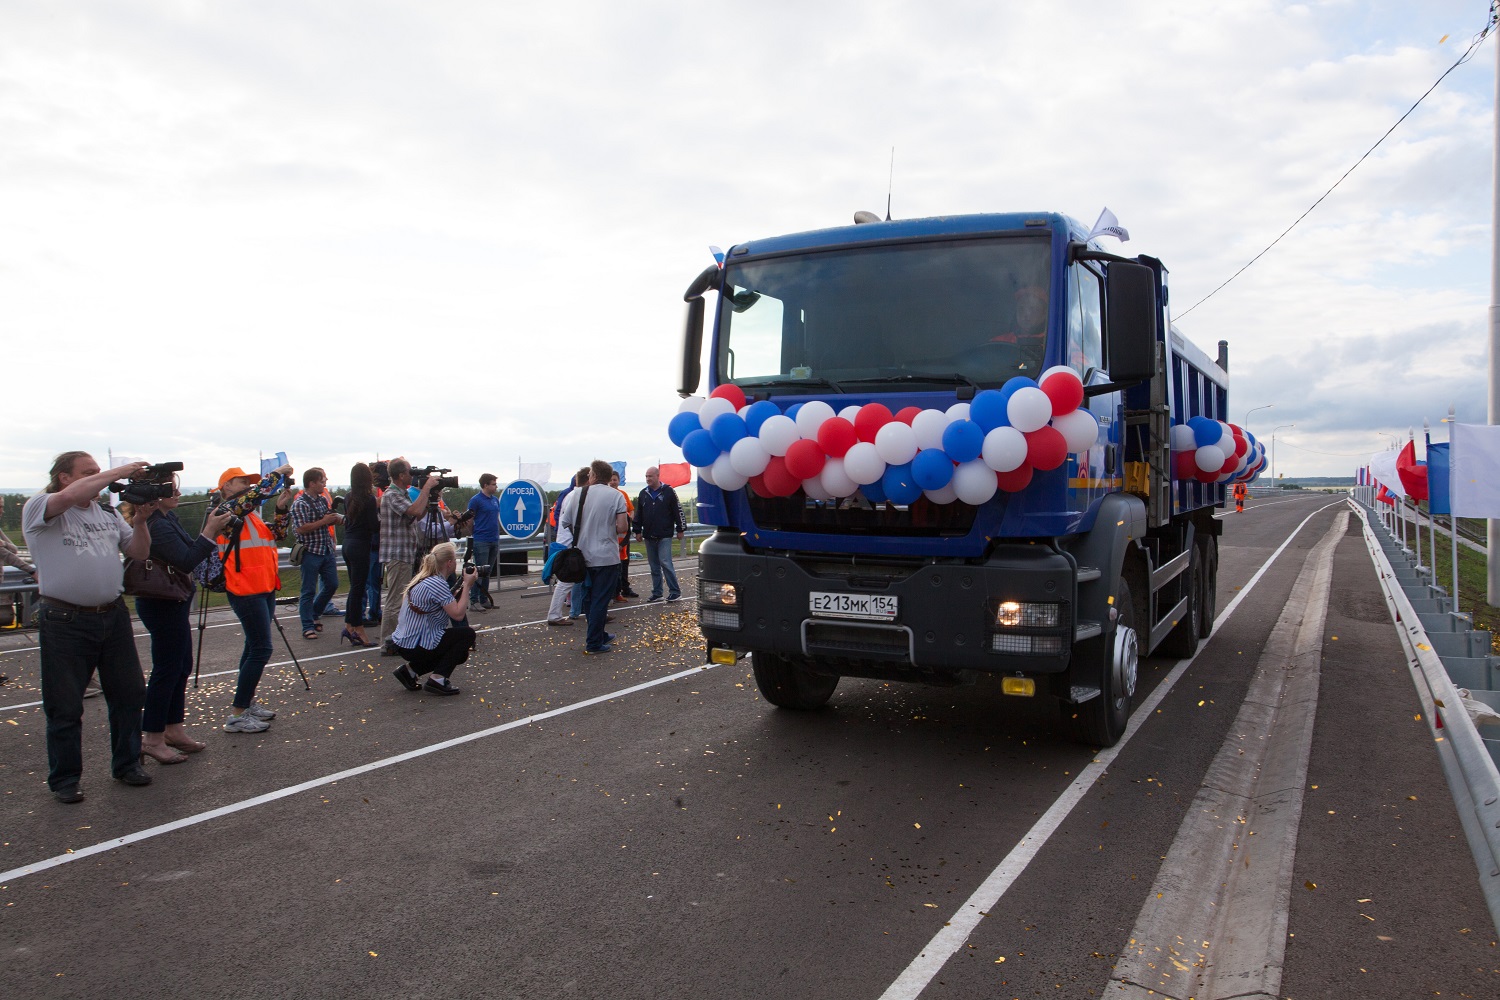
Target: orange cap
{"x": 232, "y": 473}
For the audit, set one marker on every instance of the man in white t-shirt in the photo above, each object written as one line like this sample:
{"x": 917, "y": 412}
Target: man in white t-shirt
{"x": 602, "y": 524}
{"x": 84, "y": 623}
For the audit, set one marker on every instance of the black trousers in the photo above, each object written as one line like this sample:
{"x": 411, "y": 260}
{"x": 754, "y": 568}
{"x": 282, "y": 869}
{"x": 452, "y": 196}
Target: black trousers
{"x": 357, "y": 558}
{"x": 450, "y": 651}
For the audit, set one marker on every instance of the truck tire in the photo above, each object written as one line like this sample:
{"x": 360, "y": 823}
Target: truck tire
{"x": 1207, "y": 605}
{"x": 1182, "y": 641}
{"x": 1101, "y": 721}
{"x": 786, "y": 684}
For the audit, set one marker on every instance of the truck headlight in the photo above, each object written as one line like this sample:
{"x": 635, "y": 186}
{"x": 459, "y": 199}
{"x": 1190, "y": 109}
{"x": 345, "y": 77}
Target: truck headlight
{"x": 1024, "y": 614}
{"x": 724, "y": 595}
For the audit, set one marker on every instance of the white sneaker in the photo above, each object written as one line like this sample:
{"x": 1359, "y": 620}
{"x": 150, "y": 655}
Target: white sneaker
{"x": 246, "y": 723}
{"x": 260, "y": 712}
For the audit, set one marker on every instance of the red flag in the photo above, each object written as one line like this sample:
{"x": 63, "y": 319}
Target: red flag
{"x": 1385, "y": 496}
{"x": 676, "y": 473}
{"x": 1413, "y": 476}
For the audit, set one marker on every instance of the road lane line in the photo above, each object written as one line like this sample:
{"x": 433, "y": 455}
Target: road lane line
{"x": 282, "y": 793}
{"x": 955, "y": 933}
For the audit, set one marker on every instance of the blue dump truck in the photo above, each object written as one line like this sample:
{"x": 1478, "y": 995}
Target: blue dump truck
{"x": 1056, "y": 577}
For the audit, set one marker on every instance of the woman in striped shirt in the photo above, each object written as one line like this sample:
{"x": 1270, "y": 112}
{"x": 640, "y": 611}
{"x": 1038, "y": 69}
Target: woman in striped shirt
{"x": 427, "y": 634}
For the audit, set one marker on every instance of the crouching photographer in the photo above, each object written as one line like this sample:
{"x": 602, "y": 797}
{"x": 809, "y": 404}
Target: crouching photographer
{"x": 430, "y": 634}
{"x": 163, "y": 588}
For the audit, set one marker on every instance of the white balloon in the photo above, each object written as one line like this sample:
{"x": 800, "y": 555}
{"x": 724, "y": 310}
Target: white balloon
{"x": 1078, "y": 428}
{"x": 835, "y": 479}
{"x": 1226, "y": 437}
{"x": 928, "y": 426}
{"x": 814, "y": 489}
{"x": 974, "y": 482}
{"x": 1209, "y": 458}
{"x": 778, "y": 433}
{"x": 743, "y": 410}
{"x": 725, "y": 476}
{"x": 1004, "y": 449}
{"x": 706, "y": 473}
{"x": 945, "y": 495}
{"x": 863, "y": 463}
{"x": 1182, "y": 438}
{"x": 849, "y": 412}
{"x": 896, "y": 443}
{"x": 749, "y": 456}
{"x": 811, "y": 417}
{"x": 1054, "y": 370}
{"x": 712, "y": 408}
{"x": 1029, "y": 409}
{"x": 694, "y": 403}
{"x": 958, "y": 411}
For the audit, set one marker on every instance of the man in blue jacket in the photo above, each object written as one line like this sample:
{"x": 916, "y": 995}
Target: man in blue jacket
{"x": 486, "y": 541}
{"x": 658, "y": 515}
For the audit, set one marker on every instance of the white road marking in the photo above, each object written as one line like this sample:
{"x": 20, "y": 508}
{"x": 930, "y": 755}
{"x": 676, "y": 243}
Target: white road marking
{"x": 290, "y": 790}
{"x": 955, "y": 933}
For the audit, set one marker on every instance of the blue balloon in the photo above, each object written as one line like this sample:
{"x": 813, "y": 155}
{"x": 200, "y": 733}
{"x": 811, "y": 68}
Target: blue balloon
{"x": 932, "y": 469}
{"x": 1205, "y": 431}
{"x": 1019, "y": 382}
{"x": 758, "y": 414}
{"x": 900, "y": 488}
{"x": 726, "y": 429}
{"x": 873, "y": 492}
{"x": 963, "y": 440}
{"x": 699, "y": 448}
{"x": 791, "y": 411}
{"x": 988, "y": 410}
{"x": 682, "y": 425}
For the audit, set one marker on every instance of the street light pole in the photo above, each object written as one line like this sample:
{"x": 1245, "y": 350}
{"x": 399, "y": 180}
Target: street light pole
{"x": 1273, "y": 450}
{"x": 1246, "y": 424}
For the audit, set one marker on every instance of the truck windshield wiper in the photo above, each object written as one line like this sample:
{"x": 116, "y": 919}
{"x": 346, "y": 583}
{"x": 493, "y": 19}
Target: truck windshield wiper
{"x": 768, "y": 382}
{"x": 941, "y": 379}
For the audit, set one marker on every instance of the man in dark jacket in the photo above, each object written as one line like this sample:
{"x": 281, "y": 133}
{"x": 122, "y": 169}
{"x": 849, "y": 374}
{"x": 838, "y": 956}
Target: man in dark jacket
{"x": 658, "y": 515}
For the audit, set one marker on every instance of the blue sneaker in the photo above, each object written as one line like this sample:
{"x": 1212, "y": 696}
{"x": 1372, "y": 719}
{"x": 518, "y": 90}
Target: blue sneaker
{"x": 606, "y": 648}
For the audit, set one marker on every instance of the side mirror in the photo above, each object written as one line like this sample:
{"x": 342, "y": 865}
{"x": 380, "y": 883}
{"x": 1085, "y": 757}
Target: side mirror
{"x": 692, "y": 333}
{"x": 1131, "y": 314}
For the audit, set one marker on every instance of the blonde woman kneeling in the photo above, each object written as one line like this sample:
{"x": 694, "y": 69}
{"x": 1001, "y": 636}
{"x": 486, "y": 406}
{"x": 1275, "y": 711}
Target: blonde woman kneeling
{"x": 427, "y": 635}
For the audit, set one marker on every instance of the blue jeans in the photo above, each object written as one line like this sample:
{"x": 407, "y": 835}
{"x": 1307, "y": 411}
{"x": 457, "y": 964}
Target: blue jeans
{"x": 320, "y": 572}
{"x": 372, "y": 591}
{"x": 74, "y": 645}
{"x": 601, "y": 581}
{"x": 483, "y": 554}
{"x": 659, "y": 556}
{"x": 255, "y": 612}
{"x": 171, "y": 660}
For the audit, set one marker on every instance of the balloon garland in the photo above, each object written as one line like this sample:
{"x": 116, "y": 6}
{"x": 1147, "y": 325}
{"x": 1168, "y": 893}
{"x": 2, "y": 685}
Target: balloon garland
{"x": 1212, "y": 451}
{"x": 967, "y": 452}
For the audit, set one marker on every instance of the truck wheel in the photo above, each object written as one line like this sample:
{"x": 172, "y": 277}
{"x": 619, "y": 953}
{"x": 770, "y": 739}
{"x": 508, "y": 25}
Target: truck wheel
{"x": 1210, "y": 594}
{"x": 1101, "y": 721}
{"x": 1182, "y": 641}
{"x": 790, "y": 685}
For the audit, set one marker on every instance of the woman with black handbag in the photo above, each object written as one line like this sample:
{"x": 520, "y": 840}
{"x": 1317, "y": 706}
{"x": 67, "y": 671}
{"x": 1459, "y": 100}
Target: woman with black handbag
{"x": 163, "y": 589}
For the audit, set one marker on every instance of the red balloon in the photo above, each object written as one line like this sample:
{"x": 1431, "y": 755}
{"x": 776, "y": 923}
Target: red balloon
{"x": 758, "y": 484}
{"x": 1206, "y": 477}
{"x": 1065, "y": 389}
{"x": 869, "y": 420}
{"x": 731, "y": 392}
{"x": 780, "y": 482}
{"x": 1230, "y": 464}
{"x": 1046, "y": 448}
{"x": 1240, "y": 445}
{"x": 908, "y": 414}
{"x": 804, "y": 459}
{"x": 836, "y": 436}
{"x": 1015, "y": 480}
{"x": 1184, "y": 465}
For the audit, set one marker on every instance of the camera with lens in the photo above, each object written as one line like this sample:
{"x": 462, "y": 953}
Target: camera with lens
{"x": 419, "y": 477}
{"x": 153, "y": 483}
{"x": 339, "y": 504}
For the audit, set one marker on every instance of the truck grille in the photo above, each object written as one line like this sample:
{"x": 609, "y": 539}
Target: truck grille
{"x": 846, "y": 639}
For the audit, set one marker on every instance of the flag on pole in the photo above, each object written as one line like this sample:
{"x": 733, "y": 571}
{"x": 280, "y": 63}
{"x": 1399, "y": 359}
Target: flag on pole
{"x": 620, "y": 468}
{"x": 1437, "y": 479}
{"x": 537, "y": 472}
{"x": 718, "y": 255}
{"x": 1385, "y": 496}
{"x": 1413, "y": 474}
{"x": 1474, "y": 468}
{"x": 1383, "y": 469}
{"x": 676, "y": 474}
{"x": 1108, "y": 225}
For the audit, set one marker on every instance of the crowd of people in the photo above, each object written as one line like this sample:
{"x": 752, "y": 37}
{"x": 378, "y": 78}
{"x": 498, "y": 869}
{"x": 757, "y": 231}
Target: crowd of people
{"x": 404, "y": 578}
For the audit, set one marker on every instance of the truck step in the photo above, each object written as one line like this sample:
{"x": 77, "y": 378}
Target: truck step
{"x": 1078, "y": 694}
{"x": 1087, "y": 630}
{"x": 1088, "y": 574}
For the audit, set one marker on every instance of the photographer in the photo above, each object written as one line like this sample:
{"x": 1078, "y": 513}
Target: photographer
{"x": 252, "y": 577}
{"x": 163, "y": 736}
{"x": 83, "y": 621}
{"x": 313, "y": 519}
{"x": 398, "y": 540}
{"x": 429, "y": 635}
{"x": 485, "y": 545}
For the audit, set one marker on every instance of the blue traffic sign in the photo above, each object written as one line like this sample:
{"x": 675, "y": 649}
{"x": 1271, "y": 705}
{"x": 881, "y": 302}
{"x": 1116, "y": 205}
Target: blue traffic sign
{"x": 523, "y": 504}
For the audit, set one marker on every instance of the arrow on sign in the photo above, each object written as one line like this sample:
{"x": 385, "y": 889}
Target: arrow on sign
{"x": 520, "y": 510}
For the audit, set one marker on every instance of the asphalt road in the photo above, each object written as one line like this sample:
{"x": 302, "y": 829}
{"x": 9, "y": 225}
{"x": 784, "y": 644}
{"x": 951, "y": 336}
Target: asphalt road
{"x": 640, "y": 825}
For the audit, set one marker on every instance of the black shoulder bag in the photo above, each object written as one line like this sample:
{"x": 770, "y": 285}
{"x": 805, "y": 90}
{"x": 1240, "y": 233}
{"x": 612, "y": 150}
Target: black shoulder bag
{"x": 569, "y": 566}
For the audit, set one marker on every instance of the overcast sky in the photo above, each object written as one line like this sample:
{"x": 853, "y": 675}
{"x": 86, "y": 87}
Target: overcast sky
{"x": 460, "y": 231}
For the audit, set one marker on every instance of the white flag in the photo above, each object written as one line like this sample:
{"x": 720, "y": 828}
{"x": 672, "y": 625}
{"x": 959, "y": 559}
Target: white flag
{"x": 1383, "y": 470}
{"x": 1108, "y": 225}
{"x": 1474, "y": 470}
{"x": 537, "y": 472}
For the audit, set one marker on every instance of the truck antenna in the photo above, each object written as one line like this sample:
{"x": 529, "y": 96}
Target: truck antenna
{"x": 889, "y": 183}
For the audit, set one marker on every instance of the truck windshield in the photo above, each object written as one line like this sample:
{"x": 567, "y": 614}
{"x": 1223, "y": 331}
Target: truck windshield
{"x": 960, "y": 310}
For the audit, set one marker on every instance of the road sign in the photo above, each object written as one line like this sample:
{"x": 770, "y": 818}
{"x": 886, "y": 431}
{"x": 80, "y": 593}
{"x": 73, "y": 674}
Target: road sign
{"x": 523, "y": 505}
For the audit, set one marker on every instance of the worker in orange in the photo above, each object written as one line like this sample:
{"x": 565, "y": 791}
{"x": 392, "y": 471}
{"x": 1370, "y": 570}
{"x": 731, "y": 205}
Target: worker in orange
{"x": 1240, "y": 491}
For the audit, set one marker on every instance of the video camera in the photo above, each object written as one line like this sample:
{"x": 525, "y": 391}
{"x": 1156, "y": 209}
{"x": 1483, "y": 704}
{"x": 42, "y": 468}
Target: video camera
{"x": 153, "y": 483}
{"x": 445, "y": 482}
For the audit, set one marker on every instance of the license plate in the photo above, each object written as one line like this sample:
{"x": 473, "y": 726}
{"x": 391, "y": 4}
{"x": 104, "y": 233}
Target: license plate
{"x": 876, "y": 607}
